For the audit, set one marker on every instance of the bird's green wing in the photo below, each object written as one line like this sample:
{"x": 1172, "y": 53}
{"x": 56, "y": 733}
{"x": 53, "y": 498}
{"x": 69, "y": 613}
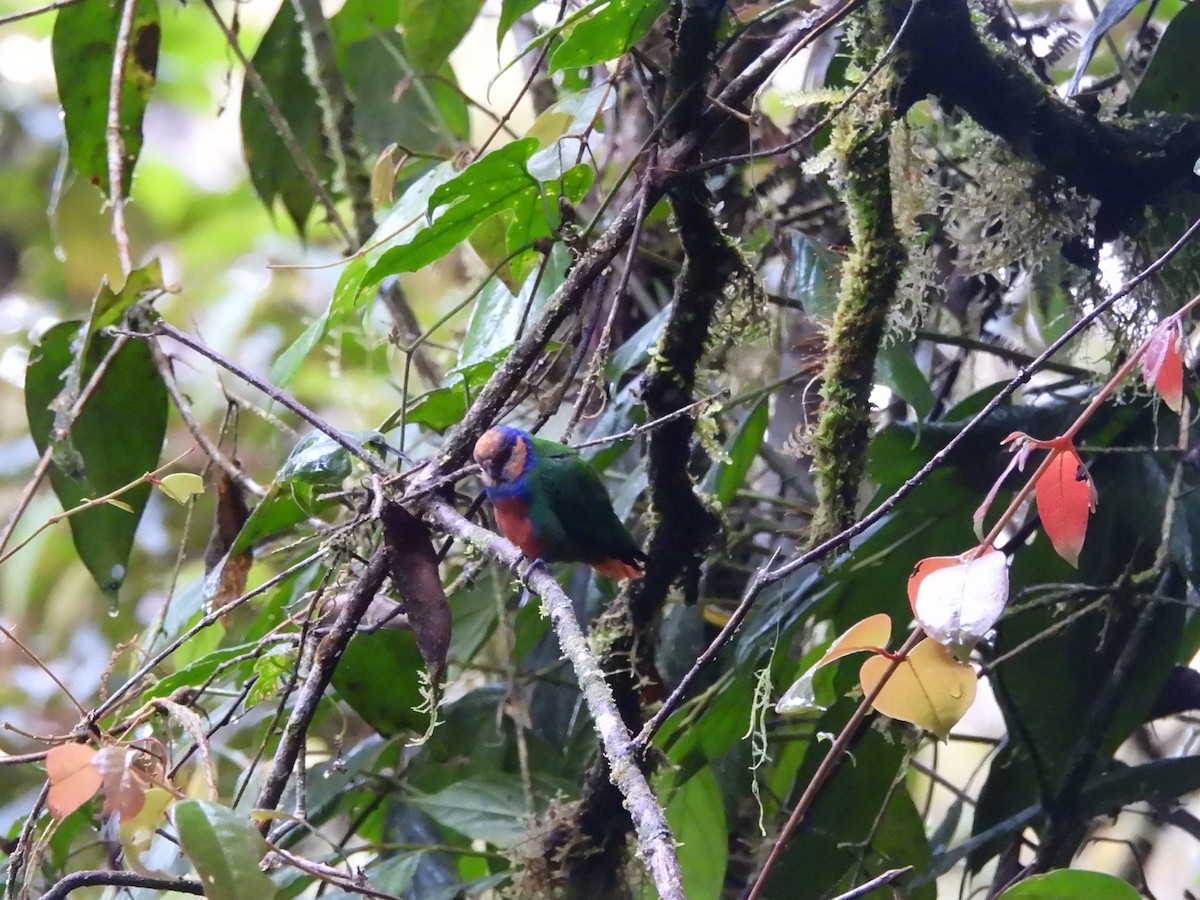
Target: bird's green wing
{"x": 586, "y": 525}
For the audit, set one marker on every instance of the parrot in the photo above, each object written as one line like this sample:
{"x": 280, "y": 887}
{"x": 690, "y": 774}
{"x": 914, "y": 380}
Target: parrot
{"x": 552, "y": 504}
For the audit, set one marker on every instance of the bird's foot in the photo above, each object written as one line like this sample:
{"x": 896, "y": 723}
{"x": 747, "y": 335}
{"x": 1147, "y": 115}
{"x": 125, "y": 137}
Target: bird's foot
{"x": 525, "y": 567}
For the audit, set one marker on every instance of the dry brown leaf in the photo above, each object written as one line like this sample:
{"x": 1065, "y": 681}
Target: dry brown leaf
{"x": 73, "y": 778}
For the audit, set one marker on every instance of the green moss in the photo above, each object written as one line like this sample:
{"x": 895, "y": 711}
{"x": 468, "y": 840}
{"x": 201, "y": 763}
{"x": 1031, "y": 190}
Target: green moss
{"x": 869, "y": 278}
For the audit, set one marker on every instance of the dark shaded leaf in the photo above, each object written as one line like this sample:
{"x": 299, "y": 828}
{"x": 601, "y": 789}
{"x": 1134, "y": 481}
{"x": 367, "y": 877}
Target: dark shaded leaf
{"x": 116, "y": 438}
{"x": 898, "y": 370}
{"x": 279, "y": 59}
{"x": 696, "y": 813}
{"x": 1171, "y": 83}
{"x": 379, "y": 677}
{"x": 416, "y": 578}
{"x": 488, "y": 809}
{"x": 85, "y": 36}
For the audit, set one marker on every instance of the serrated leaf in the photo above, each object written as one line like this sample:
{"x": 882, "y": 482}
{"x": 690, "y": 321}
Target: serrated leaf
{"x": 85, "y": 36}
{"x": 607, "y": 34}
{"x": 225, "y": 850}
{"x": 958, "y": 605}
{"x": 181, "y": 486}
{"x": 117, "y": 438}
{"x": 929, "y": 688}
{"x": 1071, "y": 884}
{"x": 1065, "y": 499}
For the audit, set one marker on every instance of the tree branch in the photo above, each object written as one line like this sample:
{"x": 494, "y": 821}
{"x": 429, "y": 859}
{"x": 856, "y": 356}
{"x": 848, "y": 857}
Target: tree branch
{"x": 655, "y": 843}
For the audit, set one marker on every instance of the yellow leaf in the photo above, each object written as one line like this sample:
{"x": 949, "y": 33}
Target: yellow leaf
{"x": 930, "y": 688}
{"x": 872, "y": 633}
{"x": 181, "y": 486}
{"x": 120, "y": 504}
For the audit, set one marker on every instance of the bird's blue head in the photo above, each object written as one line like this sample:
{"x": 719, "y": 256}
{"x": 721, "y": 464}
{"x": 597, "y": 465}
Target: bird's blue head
{"x": 505, "y": 455}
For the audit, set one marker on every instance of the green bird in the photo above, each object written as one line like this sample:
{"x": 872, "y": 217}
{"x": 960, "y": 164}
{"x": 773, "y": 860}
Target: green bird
{"x": 553, "y": 505}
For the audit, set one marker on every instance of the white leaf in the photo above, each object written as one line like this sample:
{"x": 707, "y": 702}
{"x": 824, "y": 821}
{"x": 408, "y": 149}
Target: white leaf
{"x": 958, "y": 605}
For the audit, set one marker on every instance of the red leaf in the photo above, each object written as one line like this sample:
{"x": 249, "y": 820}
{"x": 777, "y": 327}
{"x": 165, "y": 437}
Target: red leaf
{"x": 1162, "y": 366}
{"x": 1065, "y": 498}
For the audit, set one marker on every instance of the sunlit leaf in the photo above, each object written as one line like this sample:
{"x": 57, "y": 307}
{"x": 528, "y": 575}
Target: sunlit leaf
{"x": 225, "y": 850}
{"x": 958, "y": 605}
{"x": 181, "y": 486}
{"x": 1162, "y": 366}
{"x": 73, "y": 779}
{"x": 929, "y": 688}
{"x": 1065, "y": 499}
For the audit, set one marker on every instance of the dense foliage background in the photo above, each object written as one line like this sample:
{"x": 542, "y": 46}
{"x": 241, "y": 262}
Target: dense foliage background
{"x": 310, "y": 252}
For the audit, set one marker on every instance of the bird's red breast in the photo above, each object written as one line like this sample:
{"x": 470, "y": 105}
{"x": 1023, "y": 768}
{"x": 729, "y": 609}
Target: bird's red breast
{"x": 512, "y": 516}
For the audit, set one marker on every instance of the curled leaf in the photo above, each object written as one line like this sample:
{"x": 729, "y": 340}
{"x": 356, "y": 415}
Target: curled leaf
{"x": 1162, "y": 366}
{"x": 871, "y": 633}
{"x": 930, "y": 688}
{"x": 415, "y": 575}
{"x": 1066, "y": 497}
{"x": 181, "y": 486}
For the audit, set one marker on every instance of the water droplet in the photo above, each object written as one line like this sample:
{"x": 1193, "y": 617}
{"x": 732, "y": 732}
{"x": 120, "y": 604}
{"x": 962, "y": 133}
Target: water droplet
{"x": 956, "y": 692}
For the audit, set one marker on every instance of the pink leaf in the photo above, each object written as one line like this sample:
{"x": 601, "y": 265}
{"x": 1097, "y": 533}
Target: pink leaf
{"x": 1162, "y": 366}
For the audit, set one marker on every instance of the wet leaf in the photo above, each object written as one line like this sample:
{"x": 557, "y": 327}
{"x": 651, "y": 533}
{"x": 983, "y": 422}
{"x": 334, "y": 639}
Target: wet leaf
{"x": 957, "y": 605}
{"x": 73, "y": 779}
{"x": 930, "y": 688}
{"x": 1065, "y": 499}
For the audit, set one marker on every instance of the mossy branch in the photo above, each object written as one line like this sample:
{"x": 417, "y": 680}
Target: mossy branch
{"x": 869, "y": 278}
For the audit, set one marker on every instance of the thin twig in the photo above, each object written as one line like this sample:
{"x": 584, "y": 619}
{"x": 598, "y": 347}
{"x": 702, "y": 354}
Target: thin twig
{"x": 325, "y": 659}
{"x": 36, "y": 11}
{"x": 115, "y": 878}
{"x": 877, "y": 882}
{"x": 114, "y": 140}
{"x": 281, "y": 397}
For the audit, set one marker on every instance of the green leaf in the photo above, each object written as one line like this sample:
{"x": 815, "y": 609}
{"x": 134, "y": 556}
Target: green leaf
{"x": 225, "y": 850}
{"x": 84, "y": 41}
{"x": 316, "y": 460}
{"x": 407, "y": 211}
{"x": 743, "y": 450}
{"x": 498, "y": 182}
{"x": 609, "y": 32}
{"x": 1071, "y": 884}
{"x": 116, "y": 440}
{"x": 379, "y": 677}
{"x": 696, "y": 814}
{"x": 497, "y": 315}
{"x": 510, "y": 11}
{"x": 433, "y": 28}
{"x": 276, "y": 512}
{"x": 489, "y": 809}
{"x": 279, "y": 59}
{"x": 898, "y": 371}
{"x": 636, "y": 350}
{"x": 272, "y": 669}
{"x": 1171, "y": 83}
{"x": 109, "y": 306}
{"x": 196, "y": 673}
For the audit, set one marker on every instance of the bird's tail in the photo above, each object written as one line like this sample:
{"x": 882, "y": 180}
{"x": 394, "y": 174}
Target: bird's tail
{"x": 617, "y": 569}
